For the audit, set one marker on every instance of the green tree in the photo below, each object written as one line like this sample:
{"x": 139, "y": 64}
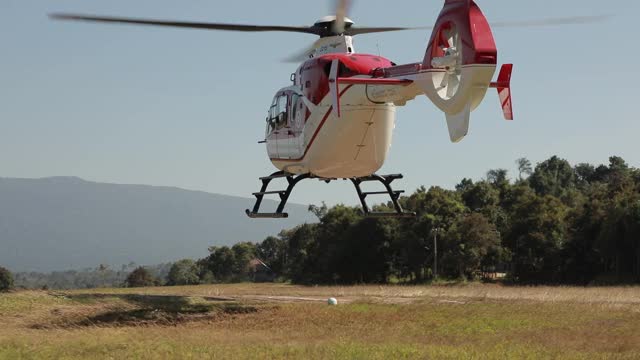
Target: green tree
{"x": 221, "y": 263}
{"x": 411, "y": 254}
{"x": 554, "y": 176}
{"x": 471, "y": 242}
{"x": 619, "y": 238}
{"x": 319, "y": 211}
{"x": 436, "y": 208}
{"x": 619, "y": 176}
{"x": 301, "y": 246}
{"x": 325, "y": 256}
{"x": 498, "y": 177}
{"x": 582, "y": 257}
{"x": 366, "y": 252}
{"x": 538, "y": 234}
{"x": 183, "y": 272}
{"x": 464, "y": 184}
{"x": 584, "y": 174}
{"x": 204, "y": 271}
{"x": 273, "y": 251}
{"x": 6, "y": 280}
{"x": 140, "y": 277}
{"x": 524, "y": 167}
{"x": 480, "y": 195}
{"x": 243, "y": 253}
{"x": 443, "y": 205}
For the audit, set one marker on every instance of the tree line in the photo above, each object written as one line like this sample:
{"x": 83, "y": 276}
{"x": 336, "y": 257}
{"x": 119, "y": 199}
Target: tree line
{"x": 102, "y": 276}
{"x": 554, "y": 223}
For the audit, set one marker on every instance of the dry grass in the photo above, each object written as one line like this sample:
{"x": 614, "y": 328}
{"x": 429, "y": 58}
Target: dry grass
{"x": 284, "y": 321}
{"x": 620, "y": 295}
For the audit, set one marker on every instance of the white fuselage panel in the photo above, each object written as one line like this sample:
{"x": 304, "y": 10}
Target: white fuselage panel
{"x": 352, "y": 145}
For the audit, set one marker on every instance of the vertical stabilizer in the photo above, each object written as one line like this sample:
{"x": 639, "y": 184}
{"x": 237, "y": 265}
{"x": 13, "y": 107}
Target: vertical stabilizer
{"x": 458, "y": 124}
{"x": 504, "y": 90}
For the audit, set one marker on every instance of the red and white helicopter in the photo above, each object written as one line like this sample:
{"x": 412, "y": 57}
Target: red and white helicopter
{"x": 336, "y": 119}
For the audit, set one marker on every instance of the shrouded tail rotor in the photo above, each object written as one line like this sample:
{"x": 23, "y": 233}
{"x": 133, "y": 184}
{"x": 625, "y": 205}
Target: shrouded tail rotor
{"x": 459, "y": 63}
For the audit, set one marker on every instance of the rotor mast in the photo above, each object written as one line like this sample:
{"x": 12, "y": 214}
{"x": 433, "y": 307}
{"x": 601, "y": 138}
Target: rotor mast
{"x": 334, "y": 38}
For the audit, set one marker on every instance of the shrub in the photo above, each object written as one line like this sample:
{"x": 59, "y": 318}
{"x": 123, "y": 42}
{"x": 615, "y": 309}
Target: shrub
{"x": 140, "y": 277}
{"x": 6, "y": 280}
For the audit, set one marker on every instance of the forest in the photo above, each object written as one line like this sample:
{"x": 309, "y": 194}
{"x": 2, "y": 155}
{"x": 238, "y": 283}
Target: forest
{"x": 552, "y": 224}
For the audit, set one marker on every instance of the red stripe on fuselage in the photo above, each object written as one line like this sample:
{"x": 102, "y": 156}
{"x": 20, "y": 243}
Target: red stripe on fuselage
{"x": 315, "y": 134}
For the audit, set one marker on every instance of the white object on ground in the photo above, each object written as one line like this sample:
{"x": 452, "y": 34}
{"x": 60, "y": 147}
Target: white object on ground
{"x": 332, "y": 301}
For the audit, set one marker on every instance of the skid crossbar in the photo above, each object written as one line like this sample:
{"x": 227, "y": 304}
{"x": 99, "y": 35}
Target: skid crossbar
{"x": 386, "y": 181}
{"x": 292, "y": 180}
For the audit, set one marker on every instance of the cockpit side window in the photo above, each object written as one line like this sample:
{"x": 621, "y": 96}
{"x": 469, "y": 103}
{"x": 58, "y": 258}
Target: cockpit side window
{"x": 277, "y": 118}
{"x": 281, "y": 112}
{"x": 273, "y": 116}
{"x": 294, "y": 105}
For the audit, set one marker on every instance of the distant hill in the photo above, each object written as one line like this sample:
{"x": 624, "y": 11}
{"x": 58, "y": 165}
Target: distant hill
{"x": 63, "y": 223}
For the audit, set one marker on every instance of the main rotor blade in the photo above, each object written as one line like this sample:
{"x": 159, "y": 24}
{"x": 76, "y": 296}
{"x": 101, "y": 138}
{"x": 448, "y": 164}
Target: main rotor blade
{"x": 369, "y": 30}
{"x": 304, "y": 54}
{"x": 184, "y": 24}
{"x": 342, "y": 6}
{"x": 573, "y": 20}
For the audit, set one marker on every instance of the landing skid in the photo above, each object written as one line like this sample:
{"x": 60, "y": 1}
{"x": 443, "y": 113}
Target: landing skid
{"x": 292, "y": 180}
{"x": 284, "y": 195}
{"x": 385, "y": 180}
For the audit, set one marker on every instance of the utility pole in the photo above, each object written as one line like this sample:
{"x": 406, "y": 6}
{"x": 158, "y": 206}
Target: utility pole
{"x": 435, "y": 253}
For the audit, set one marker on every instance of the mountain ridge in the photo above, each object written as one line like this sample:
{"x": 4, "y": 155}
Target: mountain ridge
{"x": 65, "y": 222}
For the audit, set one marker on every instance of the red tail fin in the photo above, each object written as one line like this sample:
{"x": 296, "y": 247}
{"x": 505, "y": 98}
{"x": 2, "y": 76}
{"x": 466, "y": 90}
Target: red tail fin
{"x": 504, "y": 90}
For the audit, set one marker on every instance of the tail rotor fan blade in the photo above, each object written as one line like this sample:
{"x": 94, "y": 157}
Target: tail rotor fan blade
{"x": 452, "y": 41}
{"x": 445, "y": 81}
{"x": 454, "y": 82}
{"x": 456, "y": 41}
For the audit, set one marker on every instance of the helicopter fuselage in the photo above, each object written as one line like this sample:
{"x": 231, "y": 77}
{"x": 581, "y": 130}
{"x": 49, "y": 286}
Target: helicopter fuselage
{"x": 304, "y": 133}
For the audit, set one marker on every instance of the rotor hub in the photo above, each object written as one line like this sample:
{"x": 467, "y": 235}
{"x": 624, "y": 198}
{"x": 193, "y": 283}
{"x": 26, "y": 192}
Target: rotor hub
{"x": 326, "y": 26}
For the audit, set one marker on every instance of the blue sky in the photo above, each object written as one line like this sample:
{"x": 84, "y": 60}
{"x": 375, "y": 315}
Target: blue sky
{"x": 186, "y": 107}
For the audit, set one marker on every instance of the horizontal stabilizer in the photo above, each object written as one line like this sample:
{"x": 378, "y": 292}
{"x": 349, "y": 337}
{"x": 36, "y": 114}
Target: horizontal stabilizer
{"x": 374, "y": 81}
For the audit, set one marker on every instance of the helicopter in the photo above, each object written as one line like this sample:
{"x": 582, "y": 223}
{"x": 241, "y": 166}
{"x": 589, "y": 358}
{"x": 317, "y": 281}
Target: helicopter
{"x": 335, "y": 120}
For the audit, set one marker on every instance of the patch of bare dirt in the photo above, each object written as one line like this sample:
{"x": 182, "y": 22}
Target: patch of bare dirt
{"x": 140, "y": 310}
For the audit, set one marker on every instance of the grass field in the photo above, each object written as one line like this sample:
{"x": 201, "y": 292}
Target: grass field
{"x": 266, "y": 321}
